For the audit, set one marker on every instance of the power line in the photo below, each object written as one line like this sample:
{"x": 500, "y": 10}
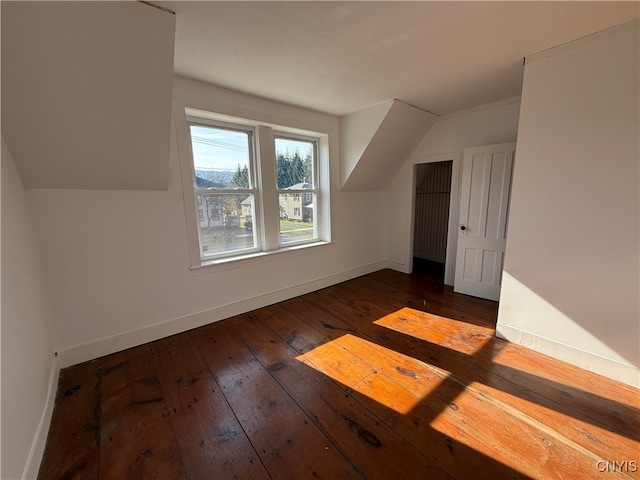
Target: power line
{"x": 217, "y": 143}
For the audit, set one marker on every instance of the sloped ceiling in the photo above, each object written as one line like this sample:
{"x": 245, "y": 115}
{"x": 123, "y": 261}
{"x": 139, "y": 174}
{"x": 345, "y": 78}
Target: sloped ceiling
{"x": 86, "y": 93}
{"x": 377, "y": 141}
{"x": 352, "y": 58}
{"x": 86, "y": 86}
{"x": 344, "y": 57}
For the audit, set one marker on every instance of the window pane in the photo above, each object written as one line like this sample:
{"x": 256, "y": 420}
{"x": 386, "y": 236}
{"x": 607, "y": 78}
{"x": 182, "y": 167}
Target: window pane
{"x": 220, "y": 157}
{"x": 226, "y": 222}
{"x": 294, "y": 163}
{"x": 297, "y": 217}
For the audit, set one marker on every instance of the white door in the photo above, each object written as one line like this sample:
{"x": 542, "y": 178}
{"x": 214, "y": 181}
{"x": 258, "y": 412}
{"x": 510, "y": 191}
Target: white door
{"x": 484, "y": 201}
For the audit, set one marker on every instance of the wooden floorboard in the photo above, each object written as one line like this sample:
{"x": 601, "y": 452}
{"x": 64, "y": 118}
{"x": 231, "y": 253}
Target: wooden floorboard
{"x": 136, "y": 436}
{"x": 74, "y": 433}
{"x": 212, "y": 442}
{"x": 385, "y": 376}
{"x": 277, "y": 339}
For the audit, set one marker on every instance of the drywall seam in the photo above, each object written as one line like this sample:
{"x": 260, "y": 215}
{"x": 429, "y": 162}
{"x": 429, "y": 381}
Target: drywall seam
{"x": 105, "y": 346}
{"x": 480, "y": 108}
{"x": 579, "y": 42}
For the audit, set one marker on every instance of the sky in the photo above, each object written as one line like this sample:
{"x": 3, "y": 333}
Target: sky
{"x": 223, "y": 150}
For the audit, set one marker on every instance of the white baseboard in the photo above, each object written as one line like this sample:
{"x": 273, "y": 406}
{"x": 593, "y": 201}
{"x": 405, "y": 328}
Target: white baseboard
{"x": 607, "y": 367}
{"x": 399, "y": 267}
{"x": 105, "y": 346}
{"x": 34, "y": 459}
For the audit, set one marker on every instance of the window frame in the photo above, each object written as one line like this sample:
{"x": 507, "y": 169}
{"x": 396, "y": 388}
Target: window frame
{"x": 298, "y": 193}
{"x": 252, "y": 190}
{"x": 264, "y": 177}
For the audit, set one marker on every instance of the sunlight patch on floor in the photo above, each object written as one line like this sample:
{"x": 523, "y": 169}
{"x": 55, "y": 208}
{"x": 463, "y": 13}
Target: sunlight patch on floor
{"x": 410, "y": 378}
{"x": 441, "y": 331}
{"x": 391, "y": 378}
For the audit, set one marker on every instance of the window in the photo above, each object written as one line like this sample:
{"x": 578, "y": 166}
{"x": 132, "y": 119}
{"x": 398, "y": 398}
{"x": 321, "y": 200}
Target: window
{"x": 256, "y": 188}
{"x": 222, "y": 179}
{"x": 296, "y": 179}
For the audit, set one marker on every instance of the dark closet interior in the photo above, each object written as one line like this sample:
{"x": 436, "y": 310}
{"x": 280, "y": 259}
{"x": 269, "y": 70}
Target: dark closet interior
{"x": 432, "y": 198}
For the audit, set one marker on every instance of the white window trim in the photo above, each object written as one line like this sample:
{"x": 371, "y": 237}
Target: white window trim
{"x": 315, "y": 182}
{"x": 270, "y": 248}
{"x": 253, "y": 190}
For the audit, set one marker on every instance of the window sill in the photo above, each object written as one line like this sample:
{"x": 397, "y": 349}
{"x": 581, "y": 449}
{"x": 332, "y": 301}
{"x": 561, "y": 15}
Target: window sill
{"x": 240, "y": 261}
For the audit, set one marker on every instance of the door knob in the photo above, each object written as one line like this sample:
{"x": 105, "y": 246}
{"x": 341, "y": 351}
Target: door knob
{"x": 463, "y": 228}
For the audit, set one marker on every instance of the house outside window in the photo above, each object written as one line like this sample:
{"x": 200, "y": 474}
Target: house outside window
{"x": 256, "y": 188}
{"x": 221, "y": 192}
{"x": 296, "y": 160}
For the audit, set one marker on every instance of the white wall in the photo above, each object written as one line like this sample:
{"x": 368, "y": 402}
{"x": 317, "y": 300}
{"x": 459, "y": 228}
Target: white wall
{"x": 80, "y": 77}
{"x": 571, "y": 285}
{"x": 488, "y": 124}
{"x": 356, "y": 132}
{"x": 386, "y": 142}
{"x": 119, "y": 260}
{"x": 29, "y": 371}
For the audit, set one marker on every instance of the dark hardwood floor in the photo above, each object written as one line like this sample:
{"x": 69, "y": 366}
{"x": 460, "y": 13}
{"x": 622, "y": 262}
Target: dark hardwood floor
{"x": 388, "y": 376}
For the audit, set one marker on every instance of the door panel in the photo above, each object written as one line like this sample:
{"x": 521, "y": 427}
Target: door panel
{"x": 470, "y": 264}
{"x": 484, "y": 201}
{"x": 498, "y": 190}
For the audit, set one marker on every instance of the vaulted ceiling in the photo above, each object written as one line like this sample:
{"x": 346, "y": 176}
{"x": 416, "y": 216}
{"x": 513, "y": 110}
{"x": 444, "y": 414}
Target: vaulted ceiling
{"x": 342, "y": 57}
